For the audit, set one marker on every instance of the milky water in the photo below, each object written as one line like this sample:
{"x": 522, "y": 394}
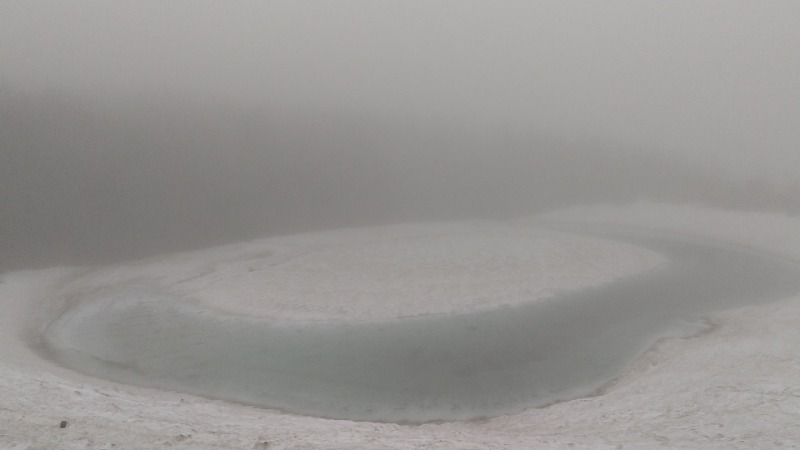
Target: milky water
{"x": 414, "y": 369}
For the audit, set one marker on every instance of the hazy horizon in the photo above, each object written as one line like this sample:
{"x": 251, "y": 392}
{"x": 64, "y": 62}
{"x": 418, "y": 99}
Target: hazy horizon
{"x": 716, "y": 81}
{"x": 130, "y": 128}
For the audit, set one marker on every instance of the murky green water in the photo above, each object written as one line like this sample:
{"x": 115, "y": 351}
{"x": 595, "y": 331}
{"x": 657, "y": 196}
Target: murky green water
{"x": 415, "y": 369}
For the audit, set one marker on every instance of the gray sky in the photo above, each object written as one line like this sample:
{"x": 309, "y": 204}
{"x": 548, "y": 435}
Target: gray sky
{"x": 716, "y": 81}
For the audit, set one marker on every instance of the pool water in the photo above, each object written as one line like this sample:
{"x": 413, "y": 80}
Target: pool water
{"x": 418, "y": 369}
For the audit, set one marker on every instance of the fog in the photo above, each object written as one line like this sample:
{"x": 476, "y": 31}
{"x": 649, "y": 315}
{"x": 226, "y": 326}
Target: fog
{"x": 133, "y": 128}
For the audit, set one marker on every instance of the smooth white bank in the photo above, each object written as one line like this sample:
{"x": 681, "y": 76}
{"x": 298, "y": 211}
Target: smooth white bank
{"x": 734, "y": 386}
